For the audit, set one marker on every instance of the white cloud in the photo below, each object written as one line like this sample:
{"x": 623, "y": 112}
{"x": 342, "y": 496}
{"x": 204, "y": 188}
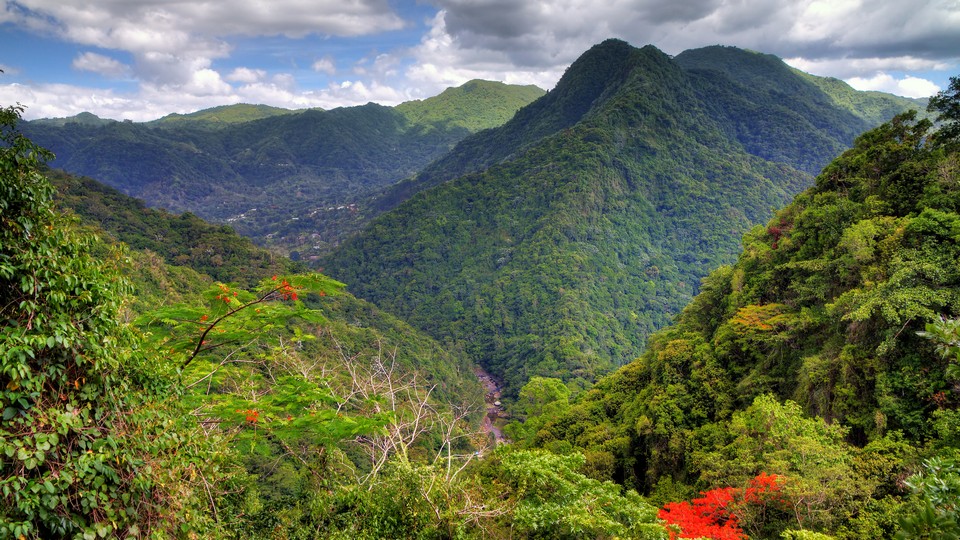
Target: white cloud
{"x": 206, "y": 82}
{"x": 246, "y": 75}
{"x": 135, "y": 23}
{"x": 490, "y": 35}
{"x": 325, "y": 65}
{"x": 174, "y": 44}
{"x": 103, "y": 65}
{"x": 207, "y": 90}
{"x": 440, "y": 62}
{"x": 874, "y": 73}
{"x": 177, "y": 46}
{"x": 60, "y": 100}
{"x": 845, "y": 68}
{"x": 908, "y": 86}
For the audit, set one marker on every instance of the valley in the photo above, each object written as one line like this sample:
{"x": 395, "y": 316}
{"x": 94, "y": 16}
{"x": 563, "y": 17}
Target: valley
{"x": 494, "y": 411}
{"x": 670, "y": 281}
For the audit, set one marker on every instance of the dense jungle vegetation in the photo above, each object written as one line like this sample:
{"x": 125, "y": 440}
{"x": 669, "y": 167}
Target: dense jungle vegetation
{"x": 827, "y": 355}
{"x": 290, "y": 179}
{"x": 161, "y": 377}
{"x": 623, "y": 189}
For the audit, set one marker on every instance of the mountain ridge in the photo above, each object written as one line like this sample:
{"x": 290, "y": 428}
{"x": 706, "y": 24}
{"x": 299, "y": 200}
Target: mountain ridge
{"x": 471, "y": 258}
{"x": 265, "y": 175}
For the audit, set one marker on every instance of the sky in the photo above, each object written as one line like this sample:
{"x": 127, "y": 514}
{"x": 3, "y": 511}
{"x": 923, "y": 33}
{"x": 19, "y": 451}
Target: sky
{"x": 143, "y": 59}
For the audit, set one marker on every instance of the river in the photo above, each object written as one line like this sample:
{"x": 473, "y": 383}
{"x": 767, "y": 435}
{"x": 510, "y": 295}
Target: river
{"x": 495, "y": 412}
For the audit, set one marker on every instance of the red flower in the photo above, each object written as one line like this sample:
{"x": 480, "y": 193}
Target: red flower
{"x": 711, "y": 515}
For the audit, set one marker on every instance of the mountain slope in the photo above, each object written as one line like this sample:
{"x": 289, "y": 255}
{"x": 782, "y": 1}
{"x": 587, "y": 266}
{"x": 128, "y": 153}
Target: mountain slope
{"x": 286, "y": 178}
{"x": 180, "y": 240}
{"x": 874, "y": 107}
{"x": 474, "y": 105}
{"x": 823, "y": 308}
{"x": 774, "y": 113}
{"x": 562, "y": 259}
{"x": 561, "y": 108}
{"x": 221, "y": 116}
{"x": 174, "y": 259}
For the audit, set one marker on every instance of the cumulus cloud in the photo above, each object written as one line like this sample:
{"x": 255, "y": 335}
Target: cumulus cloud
{"x": 914, "y": 87}
{"x": 60, "y": 100}
{"x": 100, "y": 64}
{"x": 534, "y": 41}
{"x": 176, "y": 47}
{"x": 846, "y": 68}
{"x": 442, "y": 60}
{"x": 174, "y": 44}
{"x": 325, "y": 65}
{"x": 125, "y": 23}
{"x": 246, "y": 75}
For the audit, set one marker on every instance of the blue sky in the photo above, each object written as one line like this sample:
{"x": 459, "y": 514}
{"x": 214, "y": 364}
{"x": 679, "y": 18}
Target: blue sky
{"x": 142, "y": 59}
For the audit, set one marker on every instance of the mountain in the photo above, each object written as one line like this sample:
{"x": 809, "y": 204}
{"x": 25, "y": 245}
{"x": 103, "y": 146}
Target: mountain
{"x": 556, "y": 244}
{"x": 180, "y": 240}
{"x": 774, "y": 111}
{"x": 781, "y": 114}
{"x": 173, "y": 259}
{"x": 475, "y": 105}
{"x": 874, "y": 107}
{"x": 824, "y": 308}
{"x": 562, "y": 258}
{"x": 222, "y": 116}
{"x": 286, "y": 178}
{"x": 84, "y": 118}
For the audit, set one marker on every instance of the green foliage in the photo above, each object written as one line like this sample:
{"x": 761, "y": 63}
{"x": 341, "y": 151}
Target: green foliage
{"x": 515, "y": 494}
{"x": 553, "y": 500}
{"x": 474, "y": 105}
{"x": 935, "y": 512}
{"x": 821, "y": 312}
{"x": 946, "y": 333}
{"x": 802, "y": 534}
{"x": 539, "y": 394}
{"x": 218, "y": 117}
{"x": 820, "y": 483}
{"x": 563, "y": 259}
{"x": 316, "y": 410}
{"x": 181, "y": 240}
{"x": 946, "y": 104}
{"x": 291, "y": 179}
{"x": 87, "y": 446}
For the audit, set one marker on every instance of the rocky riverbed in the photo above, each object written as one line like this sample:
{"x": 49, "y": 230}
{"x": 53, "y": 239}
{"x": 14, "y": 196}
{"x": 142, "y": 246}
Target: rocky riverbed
{"x": 492, "y": 421}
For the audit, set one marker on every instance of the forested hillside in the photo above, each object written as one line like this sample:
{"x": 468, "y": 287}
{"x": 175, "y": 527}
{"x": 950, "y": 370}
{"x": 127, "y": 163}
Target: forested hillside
{"x": 595, "y": 212}
{"x": 176, "y": 258}
{"x": 845, "y": 305}
{"x": 162, "y": 377}
{"x": 284, "y": 408}
{"x": 181, "y": 240}
{"x": 290, "y": 179}
{"x": 774, "y": 111}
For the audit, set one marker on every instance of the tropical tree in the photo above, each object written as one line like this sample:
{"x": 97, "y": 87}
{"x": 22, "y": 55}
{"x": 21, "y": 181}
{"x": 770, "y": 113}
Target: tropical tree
{"x": 87, "y": 445}
{"x": 947, "y": 104}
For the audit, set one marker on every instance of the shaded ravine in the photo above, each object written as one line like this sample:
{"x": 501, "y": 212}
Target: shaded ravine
{"x": 491, "y": 398}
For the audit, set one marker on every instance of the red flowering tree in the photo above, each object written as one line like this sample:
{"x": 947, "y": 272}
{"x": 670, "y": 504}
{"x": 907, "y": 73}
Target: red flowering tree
{"x": 718, "y": 513}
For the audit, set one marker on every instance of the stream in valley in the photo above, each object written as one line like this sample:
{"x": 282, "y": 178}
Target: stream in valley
{"x": 491, "y": 396}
